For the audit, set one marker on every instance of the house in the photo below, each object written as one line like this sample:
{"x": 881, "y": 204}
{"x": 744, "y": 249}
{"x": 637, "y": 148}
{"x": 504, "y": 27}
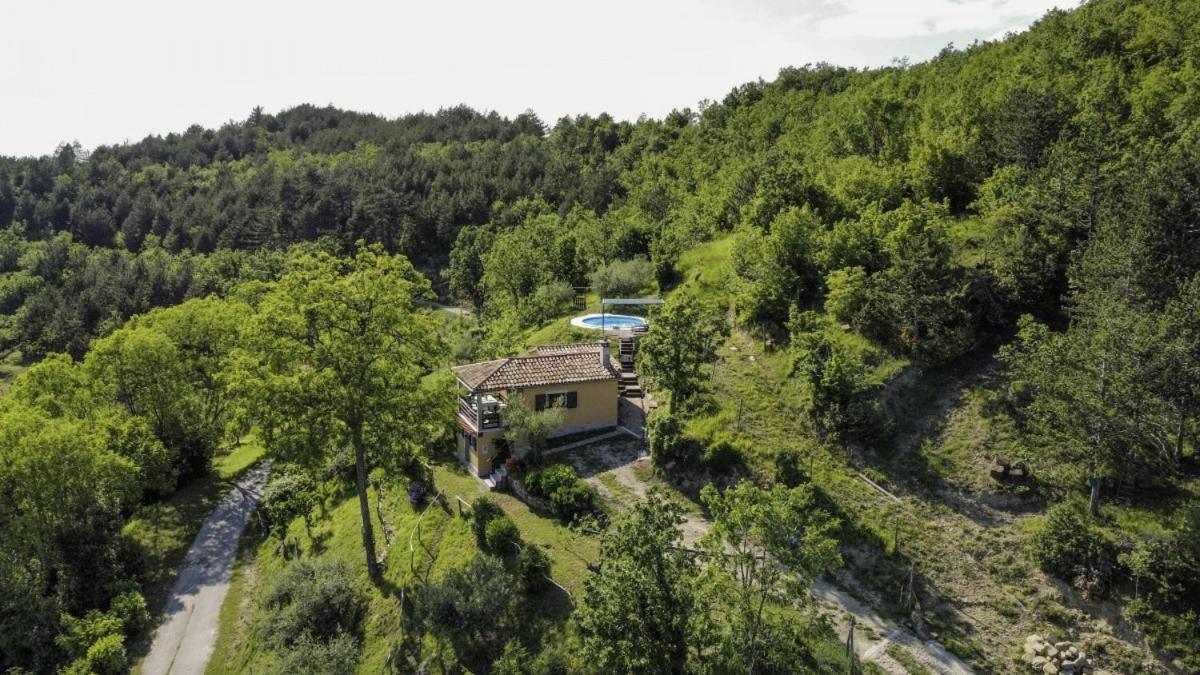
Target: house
{"x": 580, "y": 379}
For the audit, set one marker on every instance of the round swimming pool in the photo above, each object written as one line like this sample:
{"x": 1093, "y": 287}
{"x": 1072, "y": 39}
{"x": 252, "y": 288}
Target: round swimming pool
{"x": 608, "y": 321}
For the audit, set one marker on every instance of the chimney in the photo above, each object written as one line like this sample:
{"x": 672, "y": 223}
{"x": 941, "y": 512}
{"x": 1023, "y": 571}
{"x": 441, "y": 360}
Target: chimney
{"x": 604, "y": 358}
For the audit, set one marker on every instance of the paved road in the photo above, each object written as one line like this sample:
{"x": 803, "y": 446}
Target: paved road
{"x": 184, "y": 641}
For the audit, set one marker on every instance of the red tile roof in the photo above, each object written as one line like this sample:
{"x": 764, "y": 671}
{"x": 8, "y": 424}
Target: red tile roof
{"x": 552, "y": 364}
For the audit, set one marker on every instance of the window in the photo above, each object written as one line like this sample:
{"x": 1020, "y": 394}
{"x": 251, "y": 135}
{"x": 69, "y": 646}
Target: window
{"x": 558, "y": 399}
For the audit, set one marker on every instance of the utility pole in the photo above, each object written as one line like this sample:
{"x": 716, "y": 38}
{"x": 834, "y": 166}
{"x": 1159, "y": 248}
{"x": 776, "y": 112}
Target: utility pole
{"x": 851, "y": 659}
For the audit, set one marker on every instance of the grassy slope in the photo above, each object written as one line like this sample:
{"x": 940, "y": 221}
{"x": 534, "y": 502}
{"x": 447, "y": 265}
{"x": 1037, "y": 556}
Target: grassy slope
{"x": 445, "y": 541}
{"x": 963, "y": 534}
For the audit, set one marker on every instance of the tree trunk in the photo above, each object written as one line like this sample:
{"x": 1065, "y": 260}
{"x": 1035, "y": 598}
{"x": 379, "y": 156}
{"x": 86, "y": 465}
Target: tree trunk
{"x": 1179, "y": 436}
{"x": 1094, "y": 502}
{"x": 364, "y": 505}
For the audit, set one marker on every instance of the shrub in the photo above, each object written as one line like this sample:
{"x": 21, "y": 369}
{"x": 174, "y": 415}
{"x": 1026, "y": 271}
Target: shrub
{"x": 500, "y": 535}
{"x": 513, "y": 661}
{"x": 667, "y": 443}
{"x": 624, "y": 277}
{"x": 787, "y": 469}
{"x": 315, "y": 598}
{"x": 483, "y": 511}
{"x": 130, "y": 607}
{"x": 287, "y": 497}
{"x": 533, "y": 566}
{"x": 543, "y": 482}
{"x": 337, "y": 656}
{"x": 469, "y": 606}
{"x": 848, "y": 294}
{"x": 722, "y": 456}
{"x": 548, "y": 301}
{"x": 1070, "y": 546}
{"x": 106, "y": 656}
{"x": 569, "y": 496}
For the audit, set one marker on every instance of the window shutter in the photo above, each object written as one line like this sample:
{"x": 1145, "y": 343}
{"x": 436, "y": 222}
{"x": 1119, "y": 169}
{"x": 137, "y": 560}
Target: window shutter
{"x": 572, "y": 399}
{"x": 539, "y": 402}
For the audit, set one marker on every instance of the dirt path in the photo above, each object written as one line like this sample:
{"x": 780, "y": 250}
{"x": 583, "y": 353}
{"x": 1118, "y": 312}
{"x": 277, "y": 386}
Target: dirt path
{"x": 184, "y": 641}
{"x": 615, "y": 462}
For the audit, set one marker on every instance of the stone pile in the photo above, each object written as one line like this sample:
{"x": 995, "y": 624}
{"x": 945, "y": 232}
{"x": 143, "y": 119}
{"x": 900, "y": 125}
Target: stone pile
{"x": 1054, "y": 658}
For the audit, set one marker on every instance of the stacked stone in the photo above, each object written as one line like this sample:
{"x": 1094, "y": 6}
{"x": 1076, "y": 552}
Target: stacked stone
{"x": 1059, "y": 657}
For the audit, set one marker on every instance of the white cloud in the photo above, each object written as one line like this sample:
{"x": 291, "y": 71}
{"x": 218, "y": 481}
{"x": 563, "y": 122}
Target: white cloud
{"x": 927, "y": 18}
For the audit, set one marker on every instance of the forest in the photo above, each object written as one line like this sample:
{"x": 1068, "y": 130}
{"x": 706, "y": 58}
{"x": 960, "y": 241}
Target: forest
{"x": 907, "y": 273}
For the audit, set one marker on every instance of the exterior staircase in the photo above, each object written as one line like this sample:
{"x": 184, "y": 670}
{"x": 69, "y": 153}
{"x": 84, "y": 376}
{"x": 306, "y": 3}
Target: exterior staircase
{"x": 628, "y": 384}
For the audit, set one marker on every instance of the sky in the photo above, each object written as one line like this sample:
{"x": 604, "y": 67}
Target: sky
{"x": 119, "y": 70}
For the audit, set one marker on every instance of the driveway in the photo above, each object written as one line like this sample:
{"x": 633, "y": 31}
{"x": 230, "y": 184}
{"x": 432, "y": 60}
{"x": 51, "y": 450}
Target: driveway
{"x": 184, "y": 641}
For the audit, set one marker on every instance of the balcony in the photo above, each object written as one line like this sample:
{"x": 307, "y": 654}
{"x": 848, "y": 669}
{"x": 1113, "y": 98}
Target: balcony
{"x": 468, "y": 410}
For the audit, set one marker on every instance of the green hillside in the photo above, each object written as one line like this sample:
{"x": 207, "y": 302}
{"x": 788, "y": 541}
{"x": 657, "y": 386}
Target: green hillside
{"x": 940, "y": 329}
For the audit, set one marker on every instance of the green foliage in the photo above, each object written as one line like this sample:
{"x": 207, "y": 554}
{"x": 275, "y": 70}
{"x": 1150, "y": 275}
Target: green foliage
{"x": 764, "y": 546}
{"x": 464, "y": 609}
{"x": 501, "y": 535}
{"x": 287, "y": 497}
{"x": 667, "y": 443}
{"x": 532, "y": 568}
{"x": 334, "y": 359}
{"x": 623, "y": 278}
{"x": 528, "y": 427}
{"x": 847, "y": 295}
{"x": 832, "y": 379}
{"x": 723, "y": 456}
{"x": 106, "y": 656}
{"x": 637, "y": 608}
{"x": 788, "y": 471}
{"x": 318, "y": 599}
{"x": 483, "y": 512}
{"x": 569, "y": 496}
{"x": 1068, "y": 544}
{"x": 683, "y": 340}
{"x": 309, "y": 656}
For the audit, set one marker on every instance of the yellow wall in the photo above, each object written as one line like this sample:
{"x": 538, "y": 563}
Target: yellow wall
{"x": 596, "y": 408}
{"x": 596, "y": 404}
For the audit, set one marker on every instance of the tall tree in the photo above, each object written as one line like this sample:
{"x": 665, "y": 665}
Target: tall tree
{"x": 683, "y": 339}
{"x": 771, "y": 544}
{"x": 638, "y": 605}
{"x": 337, "y": 353}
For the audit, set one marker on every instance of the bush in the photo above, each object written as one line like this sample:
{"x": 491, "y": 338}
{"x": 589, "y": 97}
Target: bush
{"x": 624, "y": 277}
{"x": 130, "y": 607}
{"x": 533, "y": 566}
{"x": 337, "y": 656}
{"x": 543, "y": 482}
{"x": 483, "y": 511}
{"x": 315, "y": 598}
{"x": 787, "y": 469}
{"x": 667, "y": 443}
{"x": 106, "y": 656}
{"x": 500, "y": 535}
{"x": 289, "y": 496}
{"x": 548, "y": 301}
{"x": 722, "y": 456}
{"x": 848, "y": 294}
{"x": 569, "y": 496}
{"x": 513, "y": 661}
{"x": 1070, "y": 546}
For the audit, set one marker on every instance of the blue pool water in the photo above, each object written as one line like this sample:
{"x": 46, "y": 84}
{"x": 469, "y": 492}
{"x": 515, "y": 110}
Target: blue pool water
{"x": 611, "y": 321}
